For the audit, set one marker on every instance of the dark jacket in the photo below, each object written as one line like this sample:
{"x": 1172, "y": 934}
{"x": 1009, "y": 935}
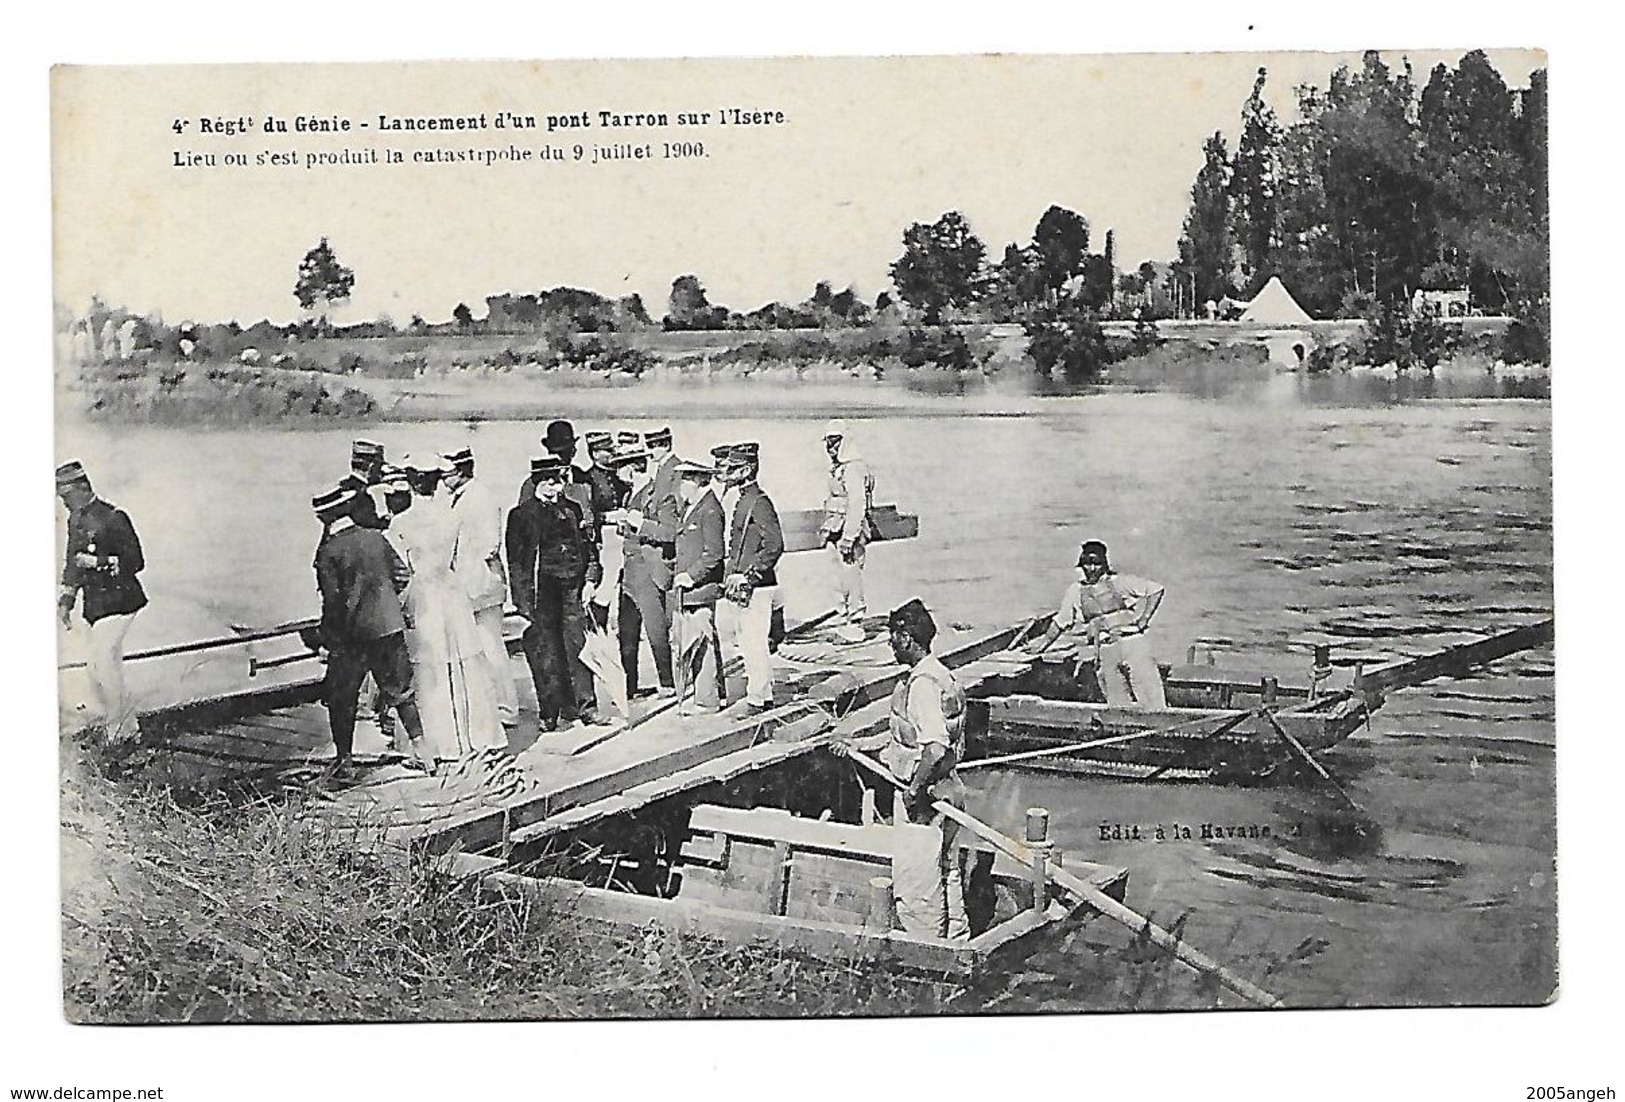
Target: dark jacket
{"x": 110, "y": 588}
{"x": 546, "y": 540}
{"x": 608, "y": 492}
{"x": 700, "y": 550}
{"x": 361, "y": 579}
{"x": 665, "y": 507}
{"x": 755, "y": 540}
{"x": 644, "y": 559}
{"x": 577, "y": 488}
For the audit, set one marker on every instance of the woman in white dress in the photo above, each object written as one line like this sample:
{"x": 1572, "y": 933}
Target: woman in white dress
{"x": 449, "y": 669}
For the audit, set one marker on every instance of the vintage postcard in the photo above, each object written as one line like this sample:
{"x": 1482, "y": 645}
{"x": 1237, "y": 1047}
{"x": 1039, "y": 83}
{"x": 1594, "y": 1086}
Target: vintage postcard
{"x": 904, "y": 536}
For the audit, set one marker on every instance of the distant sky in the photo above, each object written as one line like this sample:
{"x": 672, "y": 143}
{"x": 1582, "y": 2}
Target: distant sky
{"x": 870, "y": 145}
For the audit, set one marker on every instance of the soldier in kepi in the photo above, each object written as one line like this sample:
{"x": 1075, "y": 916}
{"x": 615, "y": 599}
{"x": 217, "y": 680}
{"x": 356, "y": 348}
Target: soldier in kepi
{"x": 750, "y": 574}
{"x": 922, "y": 748}
{"x": 102, "y": 561}
{"x": 1107, "y": 613}
{"x": 363, "y": 626}
{"x": 846, "y": 529}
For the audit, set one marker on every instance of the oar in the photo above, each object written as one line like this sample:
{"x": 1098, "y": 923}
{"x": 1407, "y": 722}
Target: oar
{"x": 1224, "y": 727}
{"x": 1303, "y": 753}
{"x": 1090, "y": 894}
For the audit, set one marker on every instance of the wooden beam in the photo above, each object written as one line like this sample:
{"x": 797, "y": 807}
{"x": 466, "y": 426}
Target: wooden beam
{"x": 1453, "y": 661}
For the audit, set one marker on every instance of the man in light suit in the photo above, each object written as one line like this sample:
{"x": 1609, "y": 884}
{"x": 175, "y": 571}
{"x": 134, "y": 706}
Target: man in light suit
{"x": 476, "y": 562}
{"x": 750, "y": 578}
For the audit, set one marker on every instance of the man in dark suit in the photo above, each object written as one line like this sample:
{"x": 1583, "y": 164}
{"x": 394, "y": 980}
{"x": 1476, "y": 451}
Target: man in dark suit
{"x": 551, "y": 565}
{"x": 750, "y": 581}
{"x": 697, "y": 586}
{"x": 363, "y": 628}
{"x": 102, "y": 561}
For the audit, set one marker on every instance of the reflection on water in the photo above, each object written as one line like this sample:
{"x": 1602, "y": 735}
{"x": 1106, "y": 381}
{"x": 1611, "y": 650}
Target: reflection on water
{"x": 1383, "y": 525}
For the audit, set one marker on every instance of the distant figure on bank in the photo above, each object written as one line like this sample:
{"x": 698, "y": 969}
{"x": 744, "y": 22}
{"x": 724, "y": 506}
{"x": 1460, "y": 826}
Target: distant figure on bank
{"x": 551, "y": 567}
{"x": 750, "y": 578}
{"x": 1109, "y": 612}
{"x": 847, "y": 528}
{"x": 363, "y": 627}
{"x": 456, "y": 696}
{"x": 476, "y": 561}
{"x": 697, "y": 586}
{"x": 102, "y": 560}
{"x": 922, "y": 748}
{"x": 365, "y": 478}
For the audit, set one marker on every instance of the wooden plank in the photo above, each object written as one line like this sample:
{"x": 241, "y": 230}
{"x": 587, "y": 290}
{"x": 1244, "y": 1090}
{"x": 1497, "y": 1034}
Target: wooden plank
{"x": 1458, "y": 659}
{"x": 802, "y": 528}
{"x": 775, "y": 824}
{"x": 825, "y": 940}
{"x": 1033, "y": 711}
{"x": 833, "y": 889}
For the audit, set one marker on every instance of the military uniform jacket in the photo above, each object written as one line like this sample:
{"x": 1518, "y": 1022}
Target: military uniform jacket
{"x": 755, "y": 540}
{"x": 361, "y": 579}
{"x": 701, "y": 548}
{"x": 110, "y": 587}
{"x": 644, "y": 560}
{"x": 665, "y": 507}
{"x": 608, "y": 492}
{"x": 545, "y": 540}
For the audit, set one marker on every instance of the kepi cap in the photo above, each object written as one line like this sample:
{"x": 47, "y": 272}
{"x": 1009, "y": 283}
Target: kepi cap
{"x": 366, "y": 450}
{"x": 600, "y": 442}
{"x": 333, "y": 500}
{"x": 659, "y": 438}
{"x": 546, "y": 466}
{"x": 693, "y": 468}
{"x": 458, "y": 456}
{"x": 71, "y": 473}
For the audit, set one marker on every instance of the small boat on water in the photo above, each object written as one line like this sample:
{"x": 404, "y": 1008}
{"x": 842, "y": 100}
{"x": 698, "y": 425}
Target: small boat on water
{"x": 823, "y": 890}
{"x": 1221, "y": 725}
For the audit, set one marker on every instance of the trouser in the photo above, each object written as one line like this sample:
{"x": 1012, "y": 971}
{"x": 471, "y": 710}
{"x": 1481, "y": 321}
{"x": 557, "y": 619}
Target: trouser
{"x": 552, "y": 645}
{"x": 489, "y": 621}
{"x": 744, "y": 632}
{"x": 927, "y": 882}
{"x": 1129, "y": 675}
{"x": 694, "y": 649}
{"x": 850, "y": 606}
{"x": 643, "y": 610}
{"x": 390, "y": 665}
{"x": 105, "y": 664}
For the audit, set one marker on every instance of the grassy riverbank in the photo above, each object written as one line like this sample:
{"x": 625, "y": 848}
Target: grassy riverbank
{"x": 210, "y": 907}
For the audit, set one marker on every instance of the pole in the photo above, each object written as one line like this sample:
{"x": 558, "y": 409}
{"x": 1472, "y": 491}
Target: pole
{"x": 1090, "y": 894}
{"x": 1225, "y": 727}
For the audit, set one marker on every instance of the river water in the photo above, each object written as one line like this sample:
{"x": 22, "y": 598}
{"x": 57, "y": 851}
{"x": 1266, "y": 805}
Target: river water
{"x": 1275, "y": 515}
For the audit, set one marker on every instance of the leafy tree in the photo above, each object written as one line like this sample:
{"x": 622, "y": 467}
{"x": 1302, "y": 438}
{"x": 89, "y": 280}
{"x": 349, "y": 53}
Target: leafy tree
{"x": 1060, "y": 245}
{"x": 1206, "y": 247}
{"x": 687, "y": 307}
{"x": 1016, "y": 283}
{"x": 323, "y": 280}
{"x": 1095, "y": 286}
{"x": 1254, "y": 178}
{"x": 1067, "y": 339}
{"x": 941, "y": 266}
{"x": 463, "y": 316}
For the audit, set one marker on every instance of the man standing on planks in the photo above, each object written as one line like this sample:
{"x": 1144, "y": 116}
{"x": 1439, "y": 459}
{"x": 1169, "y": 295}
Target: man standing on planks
{"x": 1110, "y": 612}
{"x": 649, "y": 533}
{"x": 477, "y": 563}
{"x": 750, "y": 578}
{"x": 846, "y": 531}
{"x": 102, "y": 561}
{"x": 922, "y": 748}
{"x": 552, "y": 566}
{"x": 363, "y": 627}
{"x": 697, "y": 586}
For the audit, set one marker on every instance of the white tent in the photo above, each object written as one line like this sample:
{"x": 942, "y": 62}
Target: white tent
{"x": 1274, "y": 305}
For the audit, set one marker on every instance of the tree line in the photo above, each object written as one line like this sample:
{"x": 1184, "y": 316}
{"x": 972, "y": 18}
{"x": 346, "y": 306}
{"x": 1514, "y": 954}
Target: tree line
{"x": 1378, "y": 189}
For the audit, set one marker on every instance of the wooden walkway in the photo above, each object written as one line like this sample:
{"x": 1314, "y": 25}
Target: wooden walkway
{"x": 561, "y": 781}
